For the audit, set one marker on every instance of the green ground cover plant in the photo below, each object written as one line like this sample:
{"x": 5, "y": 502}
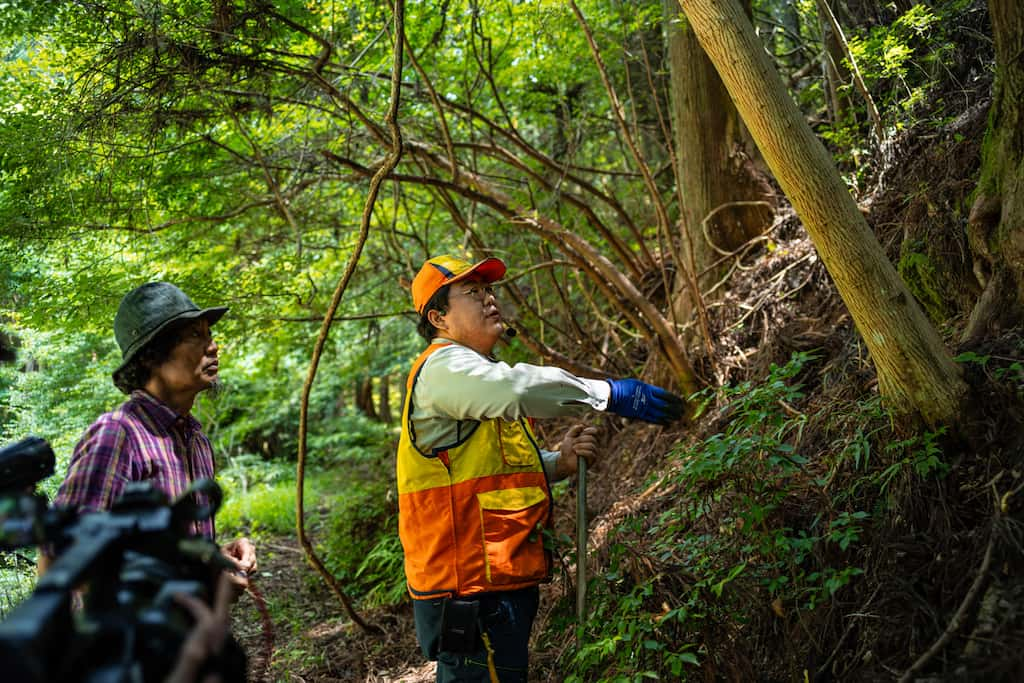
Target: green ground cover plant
{"x": 738, "y": 531}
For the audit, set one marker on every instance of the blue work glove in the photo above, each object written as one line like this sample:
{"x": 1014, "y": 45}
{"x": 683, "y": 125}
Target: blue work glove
{"x": 635, "y": 399}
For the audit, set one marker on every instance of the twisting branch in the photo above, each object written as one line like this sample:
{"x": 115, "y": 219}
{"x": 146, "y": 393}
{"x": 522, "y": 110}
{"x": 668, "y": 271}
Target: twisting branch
{"x": 620, "y": 247}
{"x": 720, "y": 208}
{"x": 487, "y": 70}
{"x": 666, "y": 134}
{"x": 687, "y": 267}
{"x": 445, "y": 133}
{"x": 541, "y": 349}
{"x": 962, "y": 612}
{"x": 652, "y": 188}
{"x": 394, "y": 154}
{"x": 559, "y": 359}
{"x": 618, "y": 288}
{"x": 563, "y": 172}
{"x": 581, "y": 335}
{"x": 279, "y": 200}
{"x": 960, "y": 618}
{"x": 183, "y": 220}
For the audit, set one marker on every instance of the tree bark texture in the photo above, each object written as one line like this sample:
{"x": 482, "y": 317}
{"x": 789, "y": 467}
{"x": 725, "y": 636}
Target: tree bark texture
{"x": 714, "y": 165}
{"x": 384, "y": 400}
{"x": 995, "y": 227}
{"x": 364, "y": 397}
{"x": 916, "y": 375}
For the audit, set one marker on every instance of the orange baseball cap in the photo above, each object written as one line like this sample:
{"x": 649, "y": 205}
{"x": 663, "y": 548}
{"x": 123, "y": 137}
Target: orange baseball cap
{"x": 444, "y": 270}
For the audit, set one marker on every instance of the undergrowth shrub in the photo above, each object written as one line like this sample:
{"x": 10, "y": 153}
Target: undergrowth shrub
{"x": 17, "y": 579}
{"x": 753, "y": 530}
{"x": 901, "y": 62}
{"x": 675, "y": 575}
{"x": 382, "y": 572}
{"x": 259, "y": 496}
{"x": 359, "y": 541}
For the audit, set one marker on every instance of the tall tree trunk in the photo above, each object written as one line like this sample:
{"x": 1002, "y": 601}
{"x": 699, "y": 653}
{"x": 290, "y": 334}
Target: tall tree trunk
{"x": 916, "y": 375}
{"x": 713, "y": 156}
{"x": 364, "y": 397}
{"x": 995, "y": 228}
{"x": 384, "y": 400}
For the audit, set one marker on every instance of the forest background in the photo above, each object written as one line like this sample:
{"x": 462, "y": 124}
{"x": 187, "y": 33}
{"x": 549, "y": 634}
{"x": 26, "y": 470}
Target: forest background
{"x": 810, "y": 223}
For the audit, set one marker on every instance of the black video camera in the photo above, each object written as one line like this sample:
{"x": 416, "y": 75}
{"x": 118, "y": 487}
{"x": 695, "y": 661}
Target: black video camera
{"x": 132, "y": 560}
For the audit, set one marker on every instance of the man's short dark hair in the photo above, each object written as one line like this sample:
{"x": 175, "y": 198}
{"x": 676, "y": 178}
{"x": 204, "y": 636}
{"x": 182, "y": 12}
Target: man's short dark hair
{"x": 438, "y": 302}
{"x": 136, "y": 373}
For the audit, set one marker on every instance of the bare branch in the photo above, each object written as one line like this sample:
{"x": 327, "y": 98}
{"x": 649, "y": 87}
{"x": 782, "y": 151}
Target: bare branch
{"x": 652, "y": 188}
{"x": 620, "y": 248}
{"x": 562, "y": 170}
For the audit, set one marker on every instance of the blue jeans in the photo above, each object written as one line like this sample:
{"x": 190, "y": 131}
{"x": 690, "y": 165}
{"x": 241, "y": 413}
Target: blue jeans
{"x": 506, "y": 617}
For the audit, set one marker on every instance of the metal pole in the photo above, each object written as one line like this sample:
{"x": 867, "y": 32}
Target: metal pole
{"x": 581, "y": 540}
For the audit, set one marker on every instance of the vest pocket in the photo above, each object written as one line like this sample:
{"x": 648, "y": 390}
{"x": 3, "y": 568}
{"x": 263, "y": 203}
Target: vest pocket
{"x": 515, "y": 446}
{"x": 512, "y": 521}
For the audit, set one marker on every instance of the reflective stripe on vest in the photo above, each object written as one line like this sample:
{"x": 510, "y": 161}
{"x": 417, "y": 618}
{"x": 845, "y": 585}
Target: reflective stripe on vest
{"x": 472, "y": 521}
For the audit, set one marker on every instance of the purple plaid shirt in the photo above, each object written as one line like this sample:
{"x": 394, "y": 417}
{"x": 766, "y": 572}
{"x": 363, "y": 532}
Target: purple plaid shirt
{"x": 142, "y": 440}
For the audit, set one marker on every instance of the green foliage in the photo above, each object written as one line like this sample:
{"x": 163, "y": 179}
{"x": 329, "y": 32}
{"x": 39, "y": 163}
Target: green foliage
{"x": 731, "y": 539}
{"x": 355, "y": 521}
{"x": 138, "y": 144}
{"x": 382, "y": 571}
{"x": 904, "y": 59}
{"x": 149, "y": 146}
{"x": 17, "y": 576}
{"x": 740, "y": 478}
{"x": 858, "y": 447}
{"x": 57, "y": 387}
{"x": 259, "y": 496}
{"x": 901, "y": 60}
{"x": 1004, "y": 370}
{"x": 746, "y": 528}
{"x": 887, "y": 52}
{"x": 266, "y": 508}
{"x": 360, "y": 546}
{"x": 920, "y": 453}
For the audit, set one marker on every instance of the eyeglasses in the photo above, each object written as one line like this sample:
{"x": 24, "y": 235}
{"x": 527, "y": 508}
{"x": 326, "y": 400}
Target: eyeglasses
{"x": 478, "y": 292}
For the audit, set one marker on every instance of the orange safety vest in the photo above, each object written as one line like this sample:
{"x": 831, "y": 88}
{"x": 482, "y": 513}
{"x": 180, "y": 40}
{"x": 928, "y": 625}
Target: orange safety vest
{"x": 471, "y": 513}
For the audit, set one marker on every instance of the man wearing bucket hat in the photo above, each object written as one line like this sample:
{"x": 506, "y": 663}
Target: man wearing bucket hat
{"x": 473, "y": 492}
{"x": 168, "y": 356}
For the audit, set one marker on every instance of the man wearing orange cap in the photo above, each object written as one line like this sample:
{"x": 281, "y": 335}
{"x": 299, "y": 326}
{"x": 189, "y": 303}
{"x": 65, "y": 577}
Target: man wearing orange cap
{"x": 472, "y": 480}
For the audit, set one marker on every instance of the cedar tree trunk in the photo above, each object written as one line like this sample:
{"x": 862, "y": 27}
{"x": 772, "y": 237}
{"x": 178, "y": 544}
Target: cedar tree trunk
{"x": 713, "y": 153}
{"x": 916, "y": 375}
{"x": 995, "y": 227}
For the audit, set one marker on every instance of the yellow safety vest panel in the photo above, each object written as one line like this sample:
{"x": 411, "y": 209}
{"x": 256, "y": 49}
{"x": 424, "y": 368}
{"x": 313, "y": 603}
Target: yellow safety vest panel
{"x": 471, "y": 514}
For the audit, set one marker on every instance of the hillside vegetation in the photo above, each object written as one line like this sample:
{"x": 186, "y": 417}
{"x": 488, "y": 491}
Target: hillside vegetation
{"x": 820, "y": 515}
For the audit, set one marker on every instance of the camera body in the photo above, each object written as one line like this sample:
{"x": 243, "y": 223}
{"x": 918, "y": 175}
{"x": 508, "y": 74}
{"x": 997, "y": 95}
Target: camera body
{"x": 126, "y": 564}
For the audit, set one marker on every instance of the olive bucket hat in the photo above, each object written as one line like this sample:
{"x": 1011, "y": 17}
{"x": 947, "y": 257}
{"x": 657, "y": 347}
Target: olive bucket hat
{"x": 148, "y": 310}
